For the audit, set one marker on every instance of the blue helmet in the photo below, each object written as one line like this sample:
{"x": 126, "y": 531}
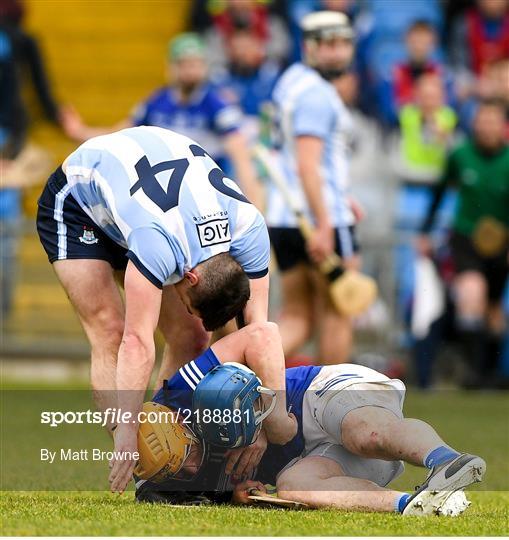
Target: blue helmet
{"x": 227, "y": 406}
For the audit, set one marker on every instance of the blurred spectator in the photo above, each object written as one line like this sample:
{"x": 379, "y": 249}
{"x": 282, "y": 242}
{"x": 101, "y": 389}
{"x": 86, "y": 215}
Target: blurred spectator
{"x": 479, "y": 240}
{"x": 381, "y": 26}
{"x": 492, "y": 83}
{"x": 250, "y": 77}
{"x": 480, "y": 36}
{"x": 227, "y": 16}
{"x": 398, "y": 89}
{"x": 191, "y": 106}
{"x": 19, "y": 56}
{"x": 426, "y": 129}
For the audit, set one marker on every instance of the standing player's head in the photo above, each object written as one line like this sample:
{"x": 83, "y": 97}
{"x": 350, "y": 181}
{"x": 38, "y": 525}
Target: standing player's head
{"x": 216, "y": 290}
{"x": 186, "y": 57}
{"x": 328, "y": 42}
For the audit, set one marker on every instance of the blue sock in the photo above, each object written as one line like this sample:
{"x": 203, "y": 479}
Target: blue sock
{"x": 401, "y": 502}
{"x": 439, "y": 455}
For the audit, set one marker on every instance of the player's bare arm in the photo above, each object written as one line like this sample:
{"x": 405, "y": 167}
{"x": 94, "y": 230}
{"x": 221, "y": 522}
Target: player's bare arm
{"x": 75, "y": 127}
{"x": 258, "y": 346}
{"x": 136, "y": 358}
{"x": 309, "y": 155}
{"x": 257, "y": 306}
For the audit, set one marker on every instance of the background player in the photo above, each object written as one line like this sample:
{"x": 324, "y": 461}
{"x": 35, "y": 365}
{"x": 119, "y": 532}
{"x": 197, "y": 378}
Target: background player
{"x": 314, "y": 127}
{"x": 118, "y": 202}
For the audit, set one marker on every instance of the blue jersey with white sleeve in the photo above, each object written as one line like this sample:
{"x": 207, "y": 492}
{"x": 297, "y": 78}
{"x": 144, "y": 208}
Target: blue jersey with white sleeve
{"x": 307, "y": 104}
{"x": 177, "y": 394}
{"x": 161, "y": 196}
{"x": 205, "y": 117}
{"x": 178, "y": 391}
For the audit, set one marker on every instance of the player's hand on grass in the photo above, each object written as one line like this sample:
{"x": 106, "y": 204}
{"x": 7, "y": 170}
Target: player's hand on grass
{"x": 241, "y": 491}
{"x": 243, "y": 461}
{"x": 126, "y": 443}
{"x": 321, "y": 243}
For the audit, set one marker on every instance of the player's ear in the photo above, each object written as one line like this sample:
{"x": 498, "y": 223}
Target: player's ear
{"x": 192, "y": 277}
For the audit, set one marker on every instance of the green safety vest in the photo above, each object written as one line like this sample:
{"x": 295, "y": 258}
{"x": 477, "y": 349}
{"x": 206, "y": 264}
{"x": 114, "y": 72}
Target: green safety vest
{"x": 419, "y": 149}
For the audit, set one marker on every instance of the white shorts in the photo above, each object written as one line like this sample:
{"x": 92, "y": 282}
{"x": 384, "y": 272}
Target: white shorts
{"x": 336, "y": 391}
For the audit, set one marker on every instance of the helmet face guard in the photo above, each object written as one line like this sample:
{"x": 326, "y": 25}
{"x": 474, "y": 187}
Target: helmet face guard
{"x": 168, "y": 448}
{"x": 325, "y": 25}
{"x": 328, "y": 33}
{"x": 193, "y": 459}
{"x": 228, "y": 407}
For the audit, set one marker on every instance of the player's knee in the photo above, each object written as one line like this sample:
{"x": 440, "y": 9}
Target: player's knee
{"x": 363, "y": 442}
{"x": 470, "y": 292}
{"x": 373, "y": 441}
{"x": 262, "y": 333}
{"x": 364, "y": 438}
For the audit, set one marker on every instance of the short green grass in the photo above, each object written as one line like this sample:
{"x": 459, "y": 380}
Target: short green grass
{"x": 475, "y": 422}
{"x": 103, "y": 514}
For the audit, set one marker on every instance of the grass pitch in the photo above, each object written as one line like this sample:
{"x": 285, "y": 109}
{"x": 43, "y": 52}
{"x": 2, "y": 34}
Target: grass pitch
{"x": 102, "y": 514}
{"x": 475, "y": 422}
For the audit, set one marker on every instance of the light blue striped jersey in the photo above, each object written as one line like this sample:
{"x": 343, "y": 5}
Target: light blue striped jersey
{"x": 306, "y": 104}
{"x": 161, "y": 196}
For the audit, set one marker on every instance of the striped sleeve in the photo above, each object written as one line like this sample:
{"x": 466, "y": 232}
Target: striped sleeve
{"x": 193, "y": 372}
{"x": 177, "y": 392}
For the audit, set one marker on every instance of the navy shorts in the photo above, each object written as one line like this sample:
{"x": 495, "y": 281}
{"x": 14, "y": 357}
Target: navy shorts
{"x": 290, "y": 247}
{"x": 67, "y": 232}
{"x": 466, "y": 258}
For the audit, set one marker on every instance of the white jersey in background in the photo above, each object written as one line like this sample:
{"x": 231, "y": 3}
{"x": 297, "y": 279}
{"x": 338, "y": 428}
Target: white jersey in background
{"x": 306, "y": 104}
{"x": 161, "y": 196}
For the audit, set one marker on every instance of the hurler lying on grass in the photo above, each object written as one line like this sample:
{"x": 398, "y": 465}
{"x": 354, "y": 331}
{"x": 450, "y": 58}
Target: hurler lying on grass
{"x": 351, "y": 442}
